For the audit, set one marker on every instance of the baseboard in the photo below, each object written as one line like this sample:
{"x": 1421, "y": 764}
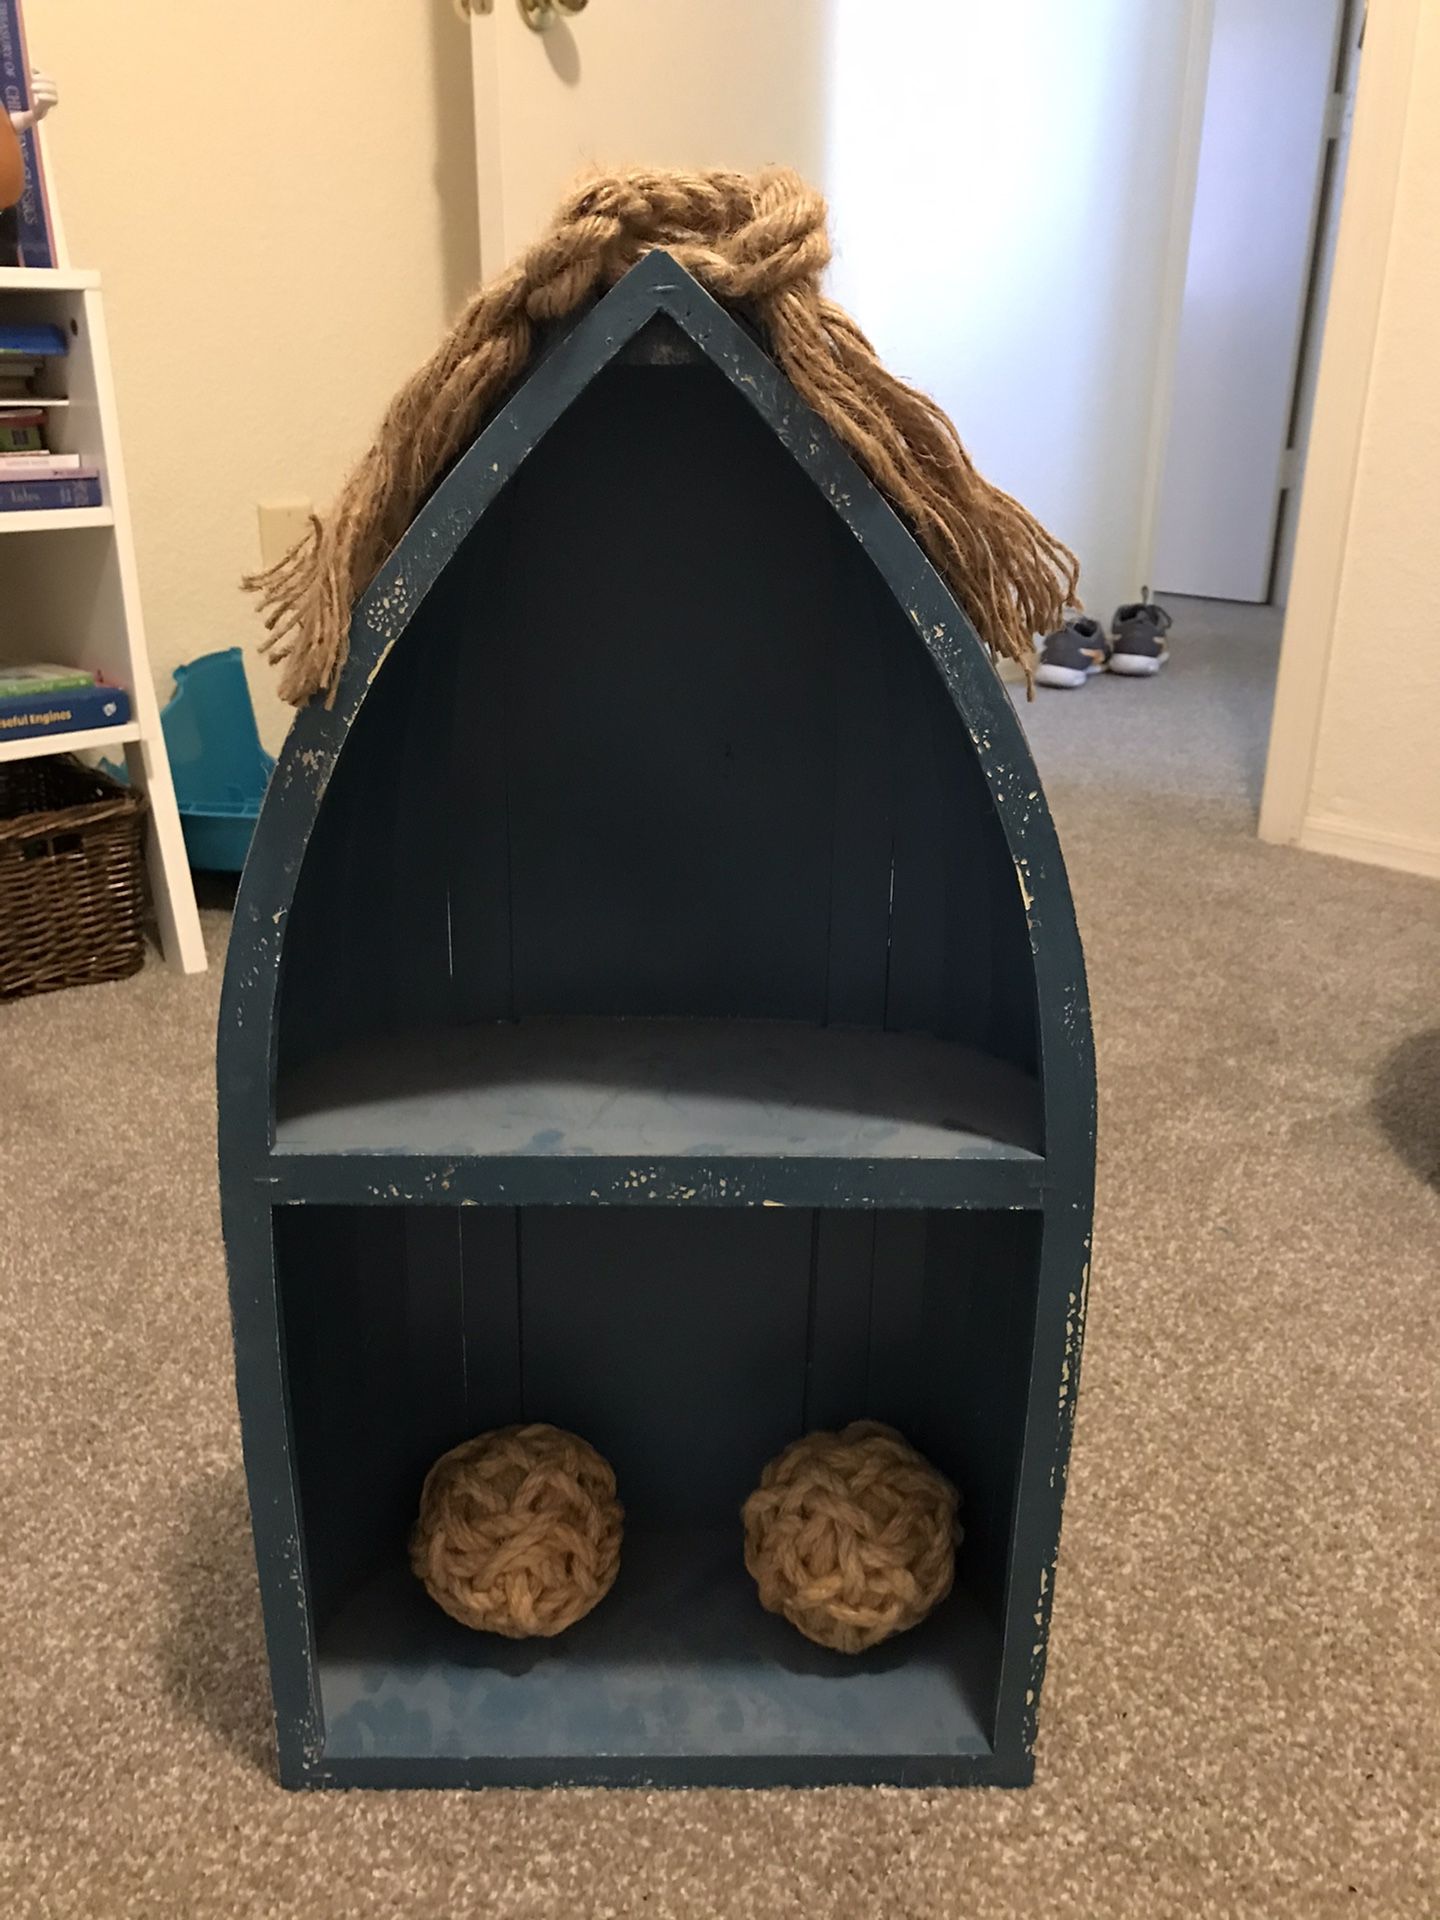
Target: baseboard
{"x": 1325, "y": 833}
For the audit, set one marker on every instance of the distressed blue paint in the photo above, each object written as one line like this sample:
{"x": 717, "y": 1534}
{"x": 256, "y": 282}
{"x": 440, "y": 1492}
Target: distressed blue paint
{"x": 256, "y": 1176}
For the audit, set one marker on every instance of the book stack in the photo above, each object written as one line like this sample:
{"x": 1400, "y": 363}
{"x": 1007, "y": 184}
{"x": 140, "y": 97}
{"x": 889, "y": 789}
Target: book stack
{"x": 33, "y": 476}
{"x": 43, "y": 698}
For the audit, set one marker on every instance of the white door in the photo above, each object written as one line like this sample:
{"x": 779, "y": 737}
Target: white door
{"x": 1002, "y": 207}
{"x": 663, "y": 83}
{"x": 1267, "y": 104}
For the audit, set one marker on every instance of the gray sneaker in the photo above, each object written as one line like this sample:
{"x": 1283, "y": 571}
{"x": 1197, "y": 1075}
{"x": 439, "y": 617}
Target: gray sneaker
{"x": 1139, "y": 629}
{"x": 1069, "y": 657}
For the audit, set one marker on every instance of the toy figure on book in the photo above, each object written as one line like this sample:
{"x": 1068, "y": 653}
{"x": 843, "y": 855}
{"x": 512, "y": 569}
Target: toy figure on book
{"x": 43, "y": 698}
{"x": 26, "y": 234}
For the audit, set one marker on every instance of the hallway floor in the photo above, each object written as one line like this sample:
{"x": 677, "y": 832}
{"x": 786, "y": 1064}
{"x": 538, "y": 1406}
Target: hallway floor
{"x": 1241, "y": 1712}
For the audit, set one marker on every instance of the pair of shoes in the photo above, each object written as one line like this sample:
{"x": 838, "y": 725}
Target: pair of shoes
{"x": 1081, "y": 648}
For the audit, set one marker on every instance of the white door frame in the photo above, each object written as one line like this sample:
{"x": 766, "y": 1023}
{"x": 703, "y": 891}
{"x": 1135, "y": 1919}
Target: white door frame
{"x": 1342, "y": 392}
{"x": 1172, "y": 294}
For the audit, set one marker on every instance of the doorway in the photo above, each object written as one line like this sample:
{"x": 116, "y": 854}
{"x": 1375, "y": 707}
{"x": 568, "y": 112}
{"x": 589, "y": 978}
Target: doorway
{"x": 1275, "y": 136}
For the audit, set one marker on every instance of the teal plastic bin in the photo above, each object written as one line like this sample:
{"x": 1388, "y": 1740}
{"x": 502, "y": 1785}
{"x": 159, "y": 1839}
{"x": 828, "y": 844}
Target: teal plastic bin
{"x": 219, "y": 768}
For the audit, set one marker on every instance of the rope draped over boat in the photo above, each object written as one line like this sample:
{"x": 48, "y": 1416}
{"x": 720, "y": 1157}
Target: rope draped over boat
{"x": 757, "y": 241}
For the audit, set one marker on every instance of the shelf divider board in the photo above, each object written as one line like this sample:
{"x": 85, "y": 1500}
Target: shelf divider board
{"x": 384, "y": 1179}
{"x": 79, "y": 739}
{"x": 55, "y": 519}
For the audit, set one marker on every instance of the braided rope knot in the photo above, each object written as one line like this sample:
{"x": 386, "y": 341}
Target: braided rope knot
{"x": 758, "y": 239}
{"x": 851, "y": 1536}
{"x": 745, "y": 239}
{"x": 519, "y": 1531}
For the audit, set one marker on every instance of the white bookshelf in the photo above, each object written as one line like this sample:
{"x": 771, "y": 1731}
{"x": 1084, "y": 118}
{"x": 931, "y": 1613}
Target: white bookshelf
{"x": 68, "y": 585}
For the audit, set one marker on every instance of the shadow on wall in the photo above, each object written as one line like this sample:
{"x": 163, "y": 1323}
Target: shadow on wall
{"x": 456, "y": 200}
{"x": 1406, "y": 1103}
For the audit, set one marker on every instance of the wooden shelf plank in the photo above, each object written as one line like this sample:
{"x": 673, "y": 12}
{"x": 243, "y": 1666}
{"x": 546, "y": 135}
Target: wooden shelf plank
{"x": 48, "y": 279}
{"x": 401, "y": 1178}
{"x": 661, "y": 1088}
{"x": 82, "y": 738}
{"x": 57, "y": 520}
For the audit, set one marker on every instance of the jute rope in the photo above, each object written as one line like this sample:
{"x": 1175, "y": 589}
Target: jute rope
{"x": 519, "y": 1531}
{"x": 851, "y": 1536}
{"x": 754, "y": 240}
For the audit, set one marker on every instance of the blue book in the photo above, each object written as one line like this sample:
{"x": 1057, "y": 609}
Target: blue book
{"x": 33, "y": 342}
{"x": 32, "y": 240}
{"x": 38, "y": 496}
{"x": 74, "y": 711}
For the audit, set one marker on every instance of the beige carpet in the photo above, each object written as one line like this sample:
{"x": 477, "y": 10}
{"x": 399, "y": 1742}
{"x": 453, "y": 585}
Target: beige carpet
{"x": 1241, "y": 1717}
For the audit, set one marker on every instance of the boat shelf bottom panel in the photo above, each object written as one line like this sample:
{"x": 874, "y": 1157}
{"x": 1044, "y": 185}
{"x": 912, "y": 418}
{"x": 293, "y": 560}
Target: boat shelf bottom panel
{"x": 678, "y": 1663}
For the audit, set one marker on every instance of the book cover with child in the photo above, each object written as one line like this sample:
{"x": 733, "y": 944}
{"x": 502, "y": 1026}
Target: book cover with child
{"x": 27, "y": 238}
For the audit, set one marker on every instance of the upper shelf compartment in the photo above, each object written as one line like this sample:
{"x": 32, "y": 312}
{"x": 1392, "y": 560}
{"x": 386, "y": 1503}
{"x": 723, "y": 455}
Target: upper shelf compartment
{"x": 656, "y": 720}
{"x": 658, "y": 745}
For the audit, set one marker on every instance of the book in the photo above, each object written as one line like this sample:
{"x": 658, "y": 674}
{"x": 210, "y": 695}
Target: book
{"x": 42, "y": 676}
{"x": 73, "y": 711}
{"x": 21, "y": 435}
{"x": 41, "y": 340}
{"x": 40, "y": 465}
{"x": 33, "y": 243}
{"x": 80, "y": 489}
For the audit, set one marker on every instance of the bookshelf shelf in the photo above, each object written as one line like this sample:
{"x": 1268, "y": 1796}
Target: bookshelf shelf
{"x": 48, "y": 279}
{"x": 57, "y": 520}
{"x": 83, "y": 740}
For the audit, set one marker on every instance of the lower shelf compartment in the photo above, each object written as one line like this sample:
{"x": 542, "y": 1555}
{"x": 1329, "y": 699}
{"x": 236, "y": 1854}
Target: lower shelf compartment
{"x": 679, "y": 1675}
{"x": 688, "y": 1347}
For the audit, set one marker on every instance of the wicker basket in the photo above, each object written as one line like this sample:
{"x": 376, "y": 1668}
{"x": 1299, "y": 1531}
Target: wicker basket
{"x": 71, "y": 878}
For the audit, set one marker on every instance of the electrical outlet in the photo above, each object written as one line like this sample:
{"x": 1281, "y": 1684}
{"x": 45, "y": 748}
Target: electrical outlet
{"x": 282, "y": 523}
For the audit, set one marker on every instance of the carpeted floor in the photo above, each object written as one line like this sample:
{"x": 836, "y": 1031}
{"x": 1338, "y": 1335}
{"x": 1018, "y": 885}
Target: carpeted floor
{"x": 1241, "y": 1715}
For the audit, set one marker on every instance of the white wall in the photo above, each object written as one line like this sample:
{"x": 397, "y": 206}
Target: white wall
{"x": 1016, "y": 166}
{"x": 280, "y": 197}
{"x": 1355, "y": 752}
{"x": 282, "y": 200}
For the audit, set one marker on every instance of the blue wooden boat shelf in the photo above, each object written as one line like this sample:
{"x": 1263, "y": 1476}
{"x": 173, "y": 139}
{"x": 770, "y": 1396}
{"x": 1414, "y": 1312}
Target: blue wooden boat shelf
{"x": 654, "y": 1006}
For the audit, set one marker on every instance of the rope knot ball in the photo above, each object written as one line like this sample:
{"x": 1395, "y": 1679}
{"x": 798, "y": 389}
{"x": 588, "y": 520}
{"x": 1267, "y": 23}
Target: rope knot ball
{"x": 851, "y": 1536}
{"x": 519, "y": 1531}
